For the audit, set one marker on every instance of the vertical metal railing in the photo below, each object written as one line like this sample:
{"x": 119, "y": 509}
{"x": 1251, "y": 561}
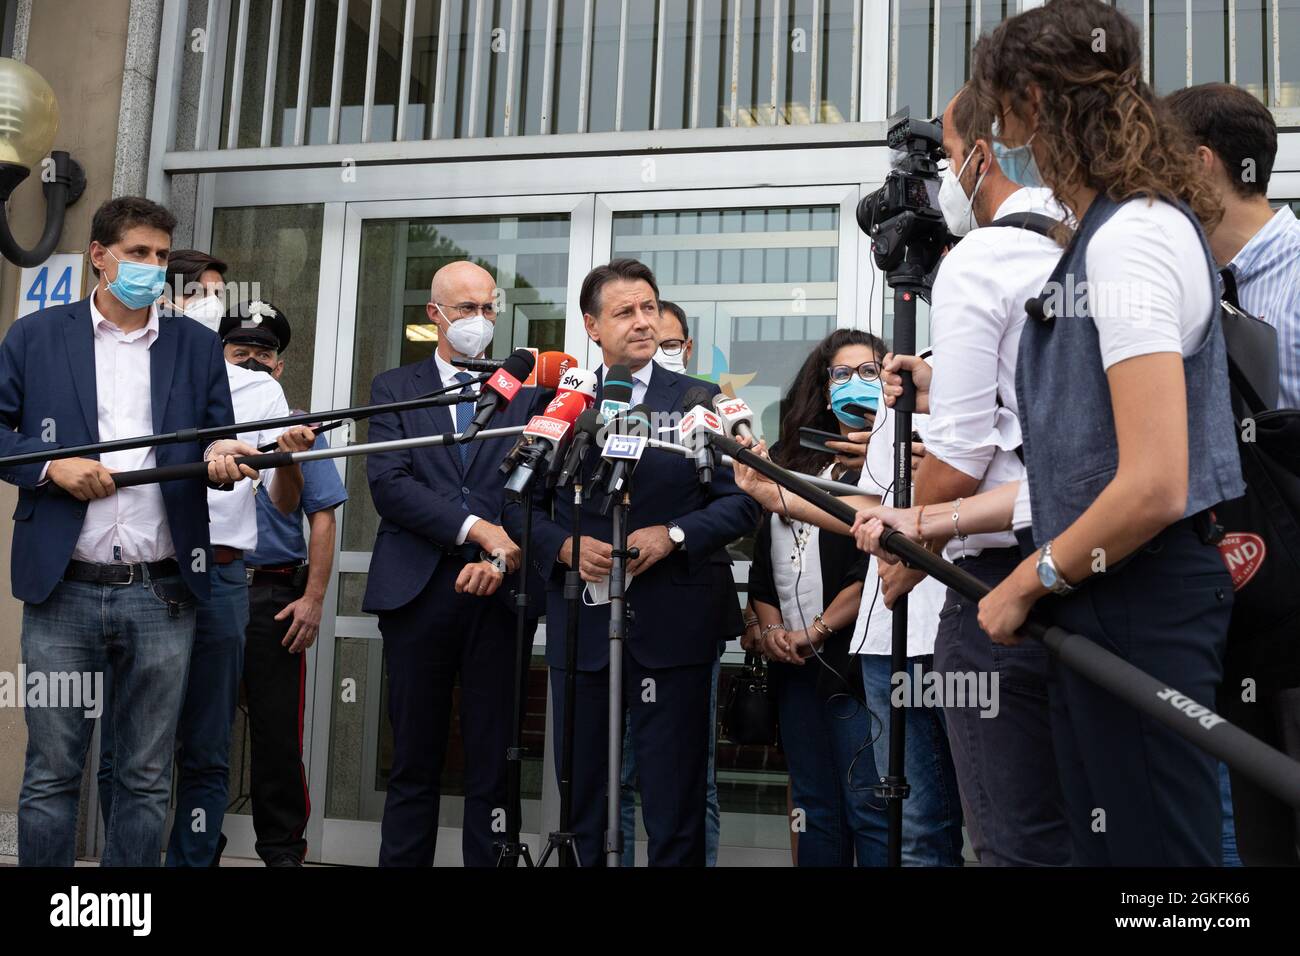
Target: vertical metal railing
{"x": 336, "y": 76}
{"x": 622, "y": 67}
{"x": 895, "y": 27}
{"x": 439, "y": 92}
{"x": 934, "y": 56}
{"x": 814, "y": 79}
{"x": 1146, "y": 41}
{"x": 372, "y": 64}
{"x": 475, "y": 71}
{"x": 237, "y": 76}
{"x": 661, "y": 39}
{"x": 696, "y": 56}
{"x": 512, "y": 62}
{"x": 548, "y": 66}
{"x": 776, "y": 62}
{"x": 584, "y": 79}
{"x": 207, "y": 77}
{"x": 272, "y": 65}
{"x": 304, "y": 74}
{"x": 1275, "y": 60}
{"x": 404, "y": 81}
{"x": 1232, "y": 41}
{"x": 735, "y": 64}
{"x": 856, "y": 69}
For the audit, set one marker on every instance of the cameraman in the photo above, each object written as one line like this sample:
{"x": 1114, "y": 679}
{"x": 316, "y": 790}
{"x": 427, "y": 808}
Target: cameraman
{"x": 976, "y": 314}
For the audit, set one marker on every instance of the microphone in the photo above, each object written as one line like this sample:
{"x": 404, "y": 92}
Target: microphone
{"x": 551, "y": 368}
{"x": 616, "y": 399}
{"x": 579, "y": 380}
{"x": 585, "y": 431}
{"x": 737, "y": 417}
{"x": 499, "y": 389}
{"x": 624, "y": 447}
{"x": 696, "y": 425}
{"x": 540, "y": 442}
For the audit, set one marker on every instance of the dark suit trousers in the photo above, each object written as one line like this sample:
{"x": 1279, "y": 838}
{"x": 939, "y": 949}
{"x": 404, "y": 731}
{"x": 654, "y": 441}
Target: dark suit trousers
{"x": 429, "y": 642}
{"x": 668, "y": 710}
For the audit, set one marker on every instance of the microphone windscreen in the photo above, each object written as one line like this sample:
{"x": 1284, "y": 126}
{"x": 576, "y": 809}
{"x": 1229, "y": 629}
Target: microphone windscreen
{"x": 1034, "y": 309}
{"x": 507, "y": 380}
{"x": 637, "y": 421}
{"x": 699, "y": 395}
{"x": 618, "y": 385}
{"x": 551, "y": 367}
{"x": 589, "y": 422}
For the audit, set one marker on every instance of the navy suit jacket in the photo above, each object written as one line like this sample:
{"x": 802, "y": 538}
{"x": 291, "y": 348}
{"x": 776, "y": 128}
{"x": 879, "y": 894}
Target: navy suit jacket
{"x": 423, "y": 495}
{"x": 682, "y": 606}
{"x": 47, "y": 374}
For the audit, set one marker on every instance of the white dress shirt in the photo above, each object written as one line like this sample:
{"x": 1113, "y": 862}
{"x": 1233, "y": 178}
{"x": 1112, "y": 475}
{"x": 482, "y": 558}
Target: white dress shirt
{"x": 874, "y": 631}
{"x": 232, "y": 514}
{"x": 640, "y": 381}
{"x": 1268, "y": 286}
{"x": 131, "y": 524}
{"x": 449, "y": 373}
{"x": 977, "y": 313}
{"x": 797, "y": 569}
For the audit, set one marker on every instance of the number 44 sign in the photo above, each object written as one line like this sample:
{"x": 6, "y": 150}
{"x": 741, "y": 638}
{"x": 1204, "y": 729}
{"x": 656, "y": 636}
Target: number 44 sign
{"x": 56, "y": 281}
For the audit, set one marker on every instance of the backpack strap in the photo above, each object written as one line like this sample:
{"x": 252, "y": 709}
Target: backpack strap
{"x": 1229, "y": 280}
{"x": 1033, "y": 221}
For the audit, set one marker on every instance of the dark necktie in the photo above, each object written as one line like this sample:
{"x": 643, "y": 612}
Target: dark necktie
{"x": 464, "y": 415}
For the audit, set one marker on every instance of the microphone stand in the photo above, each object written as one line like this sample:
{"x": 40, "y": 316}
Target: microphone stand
{"x": 564, "y": 839}
{"x": 439, "y": 397}
{"x": 620, "y": 553}
{"x": 514, "y": 848}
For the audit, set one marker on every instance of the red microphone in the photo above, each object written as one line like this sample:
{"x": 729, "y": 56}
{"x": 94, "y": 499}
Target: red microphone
{"x": 541, "y": 441}
{"x": 551, "y": 367}
{"x": 498, "y": 391}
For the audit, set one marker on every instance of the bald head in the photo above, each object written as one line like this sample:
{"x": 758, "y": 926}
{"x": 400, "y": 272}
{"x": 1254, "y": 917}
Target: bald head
{"x": 463, "y": 281}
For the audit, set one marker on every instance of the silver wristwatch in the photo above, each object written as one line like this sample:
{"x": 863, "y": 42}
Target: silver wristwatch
{"x": 677, "y": 536}
{"x": 1048, "y": 574}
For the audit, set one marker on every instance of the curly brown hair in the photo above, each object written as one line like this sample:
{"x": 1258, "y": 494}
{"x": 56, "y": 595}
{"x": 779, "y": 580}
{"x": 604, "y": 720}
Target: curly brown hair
{"x": 1099, "y": 125}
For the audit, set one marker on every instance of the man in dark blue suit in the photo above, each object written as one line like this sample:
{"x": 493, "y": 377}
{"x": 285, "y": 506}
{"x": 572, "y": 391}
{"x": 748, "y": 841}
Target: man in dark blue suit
{"x": 108, "y": 578}
{"x": 681, "y": 596}
{"x": 433, "y": 577}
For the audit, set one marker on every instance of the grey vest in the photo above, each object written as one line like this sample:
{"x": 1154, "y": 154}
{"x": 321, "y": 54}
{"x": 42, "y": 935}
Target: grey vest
{"x": 1065, "y": 414}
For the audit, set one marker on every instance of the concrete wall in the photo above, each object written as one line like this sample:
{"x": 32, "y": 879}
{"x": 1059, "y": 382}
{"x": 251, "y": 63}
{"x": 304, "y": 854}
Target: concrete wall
{"x": 79, "y": 46}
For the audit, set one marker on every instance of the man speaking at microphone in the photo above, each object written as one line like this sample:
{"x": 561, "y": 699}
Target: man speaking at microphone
{"x": 443, "y": 604}
{"x": 678, "y": 595}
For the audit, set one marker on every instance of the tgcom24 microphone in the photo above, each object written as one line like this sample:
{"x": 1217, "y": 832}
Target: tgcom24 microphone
{"x": 499, "y": 389}
{"x": 541, "y": 441}
{"x": 615, "y": 400}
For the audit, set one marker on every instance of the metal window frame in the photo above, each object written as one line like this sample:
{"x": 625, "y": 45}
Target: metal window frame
{"x": 545, "y": 120}
{"x": 272, "y": 66}
{"x": 237, "y": 77}
{"x": 372, "y": 66}
{"x": 304, "y": 73}
{"x": 512, "y": 63}
{"x": 336, "y": 74}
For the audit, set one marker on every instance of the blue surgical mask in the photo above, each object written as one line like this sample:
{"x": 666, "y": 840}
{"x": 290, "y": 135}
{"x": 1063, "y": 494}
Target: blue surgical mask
{"x": 854, "y": 392}
{"x": 138, "y": 284}
{"x": 1017, "y": 162}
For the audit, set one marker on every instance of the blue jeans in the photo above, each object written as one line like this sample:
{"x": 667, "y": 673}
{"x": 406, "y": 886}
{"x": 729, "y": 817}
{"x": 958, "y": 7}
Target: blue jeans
{"x": 207, "y": 716}
{"x": 138, "y": 636}
{"x": 712, "y": 812}
{"x": 932, "y": 811}
{"x": 827, "y": 745}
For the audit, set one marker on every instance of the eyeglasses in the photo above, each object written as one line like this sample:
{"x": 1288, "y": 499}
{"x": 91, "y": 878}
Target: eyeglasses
{"x": 672, "y": 346}
{"x": 867, "y": 371}
{"x": 465, "y": 309}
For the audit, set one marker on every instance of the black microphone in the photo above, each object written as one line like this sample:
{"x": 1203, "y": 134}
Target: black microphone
{"x": 615, "y": 399}
{"x": 502, "y": 386}
{"x": 1036, "y": 309}
{"x": 585, "y": 431}
{"x": 635, "y": 423}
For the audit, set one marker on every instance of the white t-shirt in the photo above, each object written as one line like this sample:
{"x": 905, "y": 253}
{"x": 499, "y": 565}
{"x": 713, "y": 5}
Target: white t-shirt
{"x": 233, "y": 513}
{"x": 1149, "y": 291}
{"x": 873, "y": 633}
{"x": 1149, "y": 285}
{"x": 977, "y": 313}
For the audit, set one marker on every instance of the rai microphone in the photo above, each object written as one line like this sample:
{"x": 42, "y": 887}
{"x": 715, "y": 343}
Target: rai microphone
{"x": 698, "y": 422}
{"x": 498, "y": 390}
{"x": 633, "y": 425}
{"x": 541, "y": 441}
{"x": 737, "y": 417}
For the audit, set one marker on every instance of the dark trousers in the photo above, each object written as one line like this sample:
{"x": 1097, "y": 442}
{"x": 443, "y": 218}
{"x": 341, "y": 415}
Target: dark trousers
{"x": 667, "y": 710}
{"x": 436, "y": 638}
{"x": 1006, "y": 771}
{"x": 1136, "y": 793}
{"x": 275, "y": 688}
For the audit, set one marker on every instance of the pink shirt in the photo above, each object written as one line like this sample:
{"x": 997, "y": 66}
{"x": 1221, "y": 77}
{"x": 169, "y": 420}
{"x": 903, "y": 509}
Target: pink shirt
{"x": 131, "y": 524}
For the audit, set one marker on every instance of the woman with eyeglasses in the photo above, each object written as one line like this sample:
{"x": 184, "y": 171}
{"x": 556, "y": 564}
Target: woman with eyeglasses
{"x": 805, "y": 588}
{"x": 1128, "y": 434}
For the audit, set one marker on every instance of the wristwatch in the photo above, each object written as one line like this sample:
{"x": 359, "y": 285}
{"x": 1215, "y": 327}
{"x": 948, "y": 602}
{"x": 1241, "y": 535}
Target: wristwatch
{"x": 1048, "y": 574}
{"x": 677, "y": 536}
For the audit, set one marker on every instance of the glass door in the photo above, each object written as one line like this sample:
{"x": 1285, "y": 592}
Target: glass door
{"x": 538, "y": 249}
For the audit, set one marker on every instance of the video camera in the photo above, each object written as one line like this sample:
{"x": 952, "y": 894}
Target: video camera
{"x": 902, "y": 217}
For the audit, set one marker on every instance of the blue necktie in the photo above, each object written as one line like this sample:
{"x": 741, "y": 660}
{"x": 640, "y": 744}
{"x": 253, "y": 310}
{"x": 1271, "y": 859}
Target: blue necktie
{"x": 464, "y": 415}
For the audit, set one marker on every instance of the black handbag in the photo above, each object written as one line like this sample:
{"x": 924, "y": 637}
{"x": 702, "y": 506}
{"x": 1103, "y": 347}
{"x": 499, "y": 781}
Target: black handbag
{"x": 749, "y": 716}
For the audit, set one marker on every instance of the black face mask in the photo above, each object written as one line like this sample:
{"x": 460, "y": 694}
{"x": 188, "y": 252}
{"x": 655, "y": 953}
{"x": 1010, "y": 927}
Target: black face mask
{"x": 253, "y": 365}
